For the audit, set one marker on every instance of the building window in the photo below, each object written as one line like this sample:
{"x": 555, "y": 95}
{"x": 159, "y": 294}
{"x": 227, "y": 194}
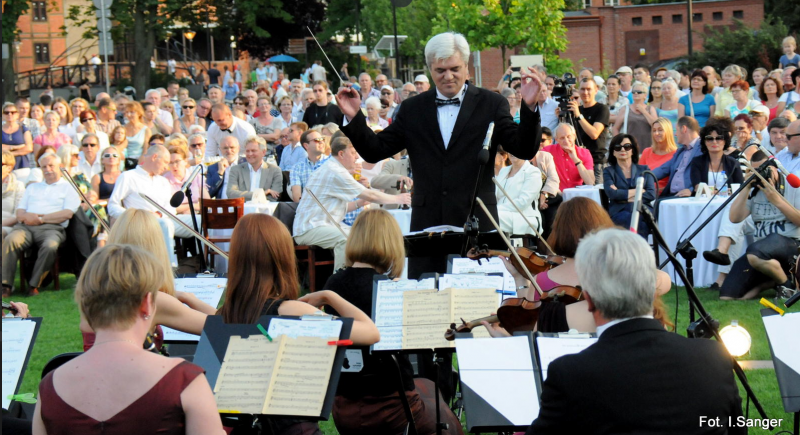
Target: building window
{"x": 42, "y": 51}
{"x": 612, "y": 2}
{"x": 587, "y": 4}
{"x": 739, "y": 15}
{"x": 657, "y": 20}
{"x": 716, "y": 16}
{"x": 697, "y": 18}
{"x": 39, "y": 11}
{"x": 637, "y": 21}
{"x": 677, "y": 19}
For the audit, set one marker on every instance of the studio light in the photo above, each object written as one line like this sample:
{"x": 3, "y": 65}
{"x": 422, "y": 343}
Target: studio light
{"x": 736, "y": 339}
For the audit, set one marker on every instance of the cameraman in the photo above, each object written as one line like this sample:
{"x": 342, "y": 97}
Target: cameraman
{"x": 591, "y": 118}
{"x": 769, "y": 261}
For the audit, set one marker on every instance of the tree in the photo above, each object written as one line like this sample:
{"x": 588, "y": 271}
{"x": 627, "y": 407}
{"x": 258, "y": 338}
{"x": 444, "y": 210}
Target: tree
{"x": 11, "y": 12}
{"x": 533, "y": 24}
{"x": 787, "y": 11}
{"x": 753, "y": 48}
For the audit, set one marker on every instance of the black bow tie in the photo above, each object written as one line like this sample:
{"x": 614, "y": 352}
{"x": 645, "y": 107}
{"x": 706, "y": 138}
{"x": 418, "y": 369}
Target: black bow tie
{"x": 228, "y": 131}
{"x": 450, "y": 102}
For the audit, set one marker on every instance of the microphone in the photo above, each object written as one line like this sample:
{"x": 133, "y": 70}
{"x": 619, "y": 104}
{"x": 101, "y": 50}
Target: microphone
{"x": 789, "y": 302}
{"x": 637, "y": 202}
{"x": 177, "y": 198}
{"x": 792, "y": 179}
{"x": 483, "y": 156}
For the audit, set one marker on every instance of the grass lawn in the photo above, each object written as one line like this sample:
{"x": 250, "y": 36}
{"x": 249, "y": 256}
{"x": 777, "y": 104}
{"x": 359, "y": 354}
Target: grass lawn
{"x": 60, "y": 334}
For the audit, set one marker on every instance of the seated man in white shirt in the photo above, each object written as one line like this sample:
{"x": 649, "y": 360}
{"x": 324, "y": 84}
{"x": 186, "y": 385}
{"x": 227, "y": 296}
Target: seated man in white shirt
{"x": 247, "y": 178}
{"x": 335, "y": 188}
{"x": 89, "y": 158}
{"x": 197, "y": 149}
{"x": 147, "y": 179}
{"x": 163, "y": 120}
{"x": 225, "y": 124}
{"x": 42, "y": 215}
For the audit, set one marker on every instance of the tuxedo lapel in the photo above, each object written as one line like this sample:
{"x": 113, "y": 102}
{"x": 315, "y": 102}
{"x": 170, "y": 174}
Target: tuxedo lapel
{"x": 467, "y": 109}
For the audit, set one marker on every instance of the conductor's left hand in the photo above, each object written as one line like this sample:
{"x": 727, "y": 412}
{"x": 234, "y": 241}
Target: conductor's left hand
{"x": 531, "y": 85}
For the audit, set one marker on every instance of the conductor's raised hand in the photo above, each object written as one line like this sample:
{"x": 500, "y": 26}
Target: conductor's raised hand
{"x": 349, "y": 101}
{"x": 531, "y": 85}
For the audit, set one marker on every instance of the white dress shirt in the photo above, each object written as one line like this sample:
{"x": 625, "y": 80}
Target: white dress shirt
{"x": 547, "y": 111}
{"x": 129, "y": 187}
{"x": 601, "y": 329}
{"x": 166, "y": 117}
{"x": 43, "y": 198}
{"x": 255, "y": 177}
{"x": 90, "y": 169}
{"x": 334, "y": 187}
{"x": 239, "y": 128}
{"x": 790, "y": 161}
{"x": 448, "y": 115}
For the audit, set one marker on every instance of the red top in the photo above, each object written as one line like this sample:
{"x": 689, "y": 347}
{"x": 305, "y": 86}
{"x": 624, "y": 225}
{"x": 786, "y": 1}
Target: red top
{"x": 158, "y": 411}
{"x": 566, "y": 169}
{"x": 653, "y": 160}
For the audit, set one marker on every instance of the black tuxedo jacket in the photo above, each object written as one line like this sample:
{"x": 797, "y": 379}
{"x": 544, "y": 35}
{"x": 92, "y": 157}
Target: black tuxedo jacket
{"x": 640, "y": 379}
{"x": 444, "y": 178}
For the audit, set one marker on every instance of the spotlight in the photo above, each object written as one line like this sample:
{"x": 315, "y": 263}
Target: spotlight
{"x": 736, "y": 339}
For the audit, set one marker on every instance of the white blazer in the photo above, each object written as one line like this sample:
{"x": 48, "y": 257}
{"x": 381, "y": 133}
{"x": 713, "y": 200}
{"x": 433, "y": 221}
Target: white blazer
{"x": 523, "y": 188}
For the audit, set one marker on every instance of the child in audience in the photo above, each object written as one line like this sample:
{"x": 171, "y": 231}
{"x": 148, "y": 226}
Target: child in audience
{"x": 789, "y": 56}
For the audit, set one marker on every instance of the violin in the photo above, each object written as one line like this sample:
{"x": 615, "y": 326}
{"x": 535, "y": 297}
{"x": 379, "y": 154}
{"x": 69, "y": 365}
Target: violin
{"x": 514, "y": 314}
{"x": 566, "y": 294}
{"x": 531, "y": 260}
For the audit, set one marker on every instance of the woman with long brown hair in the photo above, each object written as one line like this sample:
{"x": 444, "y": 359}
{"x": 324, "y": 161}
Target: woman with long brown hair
{"x": 262, "y": 280}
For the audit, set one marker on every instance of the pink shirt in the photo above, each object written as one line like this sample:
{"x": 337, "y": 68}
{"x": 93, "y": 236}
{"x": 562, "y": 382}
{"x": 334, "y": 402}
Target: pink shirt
{"x": 567, "y": 171}
{"x": 60, "y": 139}
{"x": 195, "y": 186}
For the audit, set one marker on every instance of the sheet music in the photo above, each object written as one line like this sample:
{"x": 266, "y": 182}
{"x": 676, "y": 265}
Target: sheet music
{"x": 426, "y": 316}
{"x": 487, "y": 366}
{"x": 301, "y": 379}
{"x": 246, "y": 372}
{"x": 450, "y": 280}
{"x": 388, "y": 313}
{"x": 471, "y": 304}
{"x": 327, "y": 329}
{"x": 490, "y": 265}
{"x": 208, "y": 290}
{"x": 17, "y": 336}
{"x": 551, "y": 348}
{"x": 781, "y": 331}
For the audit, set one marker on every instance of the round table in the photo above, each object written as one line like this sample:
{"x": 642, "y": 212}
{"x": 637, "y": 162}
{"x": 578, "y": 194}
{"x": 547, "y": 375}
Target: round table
{"x": 674, "y": 217}
{"x": 591, "y": 192}
{"x": 403, "y": 218}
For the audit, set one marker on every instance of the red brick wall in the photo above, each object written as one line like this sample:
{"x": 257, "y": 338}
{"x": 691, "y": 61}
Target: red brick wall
{"x": 41, "y": 32}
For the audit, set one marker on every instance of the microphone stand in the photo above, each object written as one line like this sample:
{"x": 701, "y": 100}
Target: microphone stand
{"x": 708, "y": 327}
{"x": 472, "y": 226}
{"x": 188, "y": 192}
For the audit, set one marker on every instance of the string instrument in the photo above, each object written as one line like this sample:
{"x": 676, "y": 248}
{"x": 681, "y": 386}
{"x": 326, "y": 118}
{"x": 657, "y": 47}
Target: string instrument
{"x": 403, "y": 189}
{"x": 327, "y": 213}
{"x": 532, "y": 260}
{"x": 72, "y": 183}
{"x": 514, "y": 314}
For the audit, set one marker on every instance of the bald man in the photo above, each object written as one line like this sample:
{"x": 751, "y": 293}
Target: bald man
{"x": 225, "y": 124}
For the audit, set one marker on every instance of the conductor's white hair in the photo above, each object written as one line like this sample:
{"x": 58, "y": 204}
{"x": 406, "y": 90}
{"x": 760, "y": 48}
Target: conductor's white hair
{"x": 373, "y": 102}
{"x": 617, "y": 269}
{"x": 444, "y": 46}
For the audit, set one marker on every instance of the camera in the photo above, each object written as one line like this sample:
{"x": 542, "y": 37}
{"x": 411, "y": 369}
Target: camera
{"x": 562, "y": 91}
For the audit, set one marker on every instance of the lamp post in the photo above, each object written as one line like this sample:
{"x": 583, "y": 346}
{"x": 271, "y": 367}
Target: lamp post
{"x": 190, "y": 34}
{"x": 233, "y": 53}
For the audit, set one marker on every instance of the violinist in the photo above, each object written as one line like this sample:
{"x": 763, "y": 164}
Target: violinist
{"x": 366, "y": 401}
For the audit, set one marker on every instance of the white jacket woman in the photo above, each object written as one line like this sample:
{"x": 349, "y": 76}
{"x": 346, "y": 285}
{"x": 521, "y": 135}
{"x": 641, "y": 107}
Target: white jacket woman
{"x": 522, "y": 182}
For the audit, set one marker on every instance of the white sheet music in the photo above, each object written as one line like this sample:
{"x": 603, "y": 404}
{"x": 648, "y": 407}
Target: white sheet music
{"x": 388, "y": 313}
{"x": 474, "y": 280}
{"x": 551, "y": 348}
{"x": 488, "y": 365}
{"x": 487, "y": 265}
{"x": 782, "y": 333}
{"x": 208, "y": 290}
{"x": 328, "y": 329}
{"x": 17, "y": 336}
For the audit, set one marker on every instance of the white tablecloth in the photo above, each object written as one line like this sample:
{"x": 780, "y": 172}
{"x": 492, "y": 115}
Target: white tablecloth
{"x": 592, "y": 192}
{"x": 221, "y": 264}
{"x": 674, "y": 217}
{"x": 403, "y": 218}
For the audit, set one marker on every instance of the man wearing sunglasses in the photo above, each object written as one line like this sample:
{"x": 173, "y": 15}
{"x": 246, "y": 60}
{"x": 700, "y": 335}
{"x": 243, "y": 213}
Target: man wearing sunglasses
{"x": 322, "y": 112}
{"x": 315, "y": 146}
{"x": 89, "y": 158}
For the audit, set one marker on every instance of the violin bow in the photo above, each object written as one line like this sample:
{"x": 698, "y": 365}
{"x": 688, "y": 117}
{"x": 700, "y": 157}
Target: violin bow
{"x": 72, "y": 183}
{"x": 510, "y": 246}
{"x": 191, "y": 230}
{"x": 535, "y": 231}
{"x": 327, "y": 213}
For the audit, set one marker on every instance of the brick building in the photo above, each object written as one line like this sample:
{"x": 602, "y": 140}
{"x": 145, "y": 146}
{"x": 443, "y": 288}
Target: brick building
{"x": 605, "y": 37}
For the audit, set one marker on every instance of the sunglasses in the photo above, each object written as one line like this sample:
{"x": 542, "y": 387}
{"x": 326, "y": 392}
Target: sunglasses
{"x": 715, "y": 138}
{"x": 790, "y": 136}
{"x": 10, "y": 112}
{"x": 87, "y": 119}
{"x": 91, "y": 145}
{"x": 386, "y": 93}
{"x": 383, "y": 106}
{"x": 195, "y": 145}
{"x": 214, "y": 87}
{"x": 106, "y": 156}
{"x": 318, "y": 140}
{"x": 640, "y": 92}
{"x": 626, "y": 146}
{"x": 188, "y": 107}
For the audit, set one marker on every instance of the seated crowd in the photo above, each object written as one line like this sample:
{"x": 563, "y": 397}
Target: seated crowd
{"x": 683, "y": 131}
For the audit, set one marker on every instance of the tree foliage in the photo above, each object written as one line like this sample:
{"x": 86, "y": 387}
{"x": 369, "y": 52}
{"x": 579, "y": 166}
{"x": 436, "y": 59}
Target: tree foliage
{"x": 11, "y": 13}
{"x": 742, "y": 45}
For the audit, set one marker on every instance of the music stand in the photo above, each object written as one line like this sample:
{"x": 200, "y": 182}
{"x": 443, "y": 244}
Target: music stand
{"x": 782, "y": 337}
{"x": 18, "y": 340}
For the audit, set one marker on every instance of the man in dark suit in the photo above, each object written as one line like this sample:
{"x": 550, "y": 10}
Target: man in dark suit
{"x": 443, "y": 130}
{"x": 637, "y": 378}
{"x": 217, "y": 176}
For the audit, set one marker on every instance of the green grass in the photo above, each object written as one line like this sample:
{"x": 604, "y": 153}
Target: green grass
{"x": 60, "y": 334}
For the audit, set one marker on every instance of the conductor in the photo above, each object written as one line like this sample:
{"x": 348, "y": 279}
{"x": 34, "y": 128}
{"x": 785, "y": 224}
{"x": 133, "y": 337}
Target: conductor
{"x": 443, "y": 130}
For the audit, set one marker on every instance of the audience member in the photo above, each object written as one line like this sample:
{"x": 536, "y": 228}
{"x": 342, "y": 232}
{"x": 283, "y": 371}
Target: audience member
{"x": 574, "y": 165}
{"x": 637, "y": 117}
{"x": 178, "y": 174}
{"x": 137, "y": 133}
{"x": 676, "y": 170}
{"x": 662, "y": 149}
{"x": 218, "y": 175}
{"x": 225, "y": 124}
{"x": 16, "y": 137}
{"x": 713, "y": 167}
{"x": 255, "y": 175}
{"x": 106, "y": 116}
{"x": 88, "y": 120}
{"x": 619, "y": 182}
{"x": 13, "y": 190}
{"x": 293, "y": 152}
{"x": 522, "y": 182}
{"x": 593, "y": 119}
{"x": 189, "y": 118}
{"x": 699, "y": 104}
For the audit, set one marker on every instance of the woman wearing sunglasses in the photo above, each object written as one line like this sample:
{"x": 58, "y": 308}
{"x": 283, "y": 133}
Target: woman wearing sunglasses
{"x": 619, "y": 182}
{"x": 713, "y": 166}
{"x": 637, "y": 118}
{"x": 16, "y": 138}
{"x": 104, "y": 182}
{"x": 88, "y": 120}
{"x": 189, "y": 118}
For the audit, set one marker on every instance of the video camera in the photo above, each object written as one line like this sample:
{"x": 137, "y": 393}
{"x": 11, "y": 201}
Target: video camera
{"x": 561, "y": 91}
